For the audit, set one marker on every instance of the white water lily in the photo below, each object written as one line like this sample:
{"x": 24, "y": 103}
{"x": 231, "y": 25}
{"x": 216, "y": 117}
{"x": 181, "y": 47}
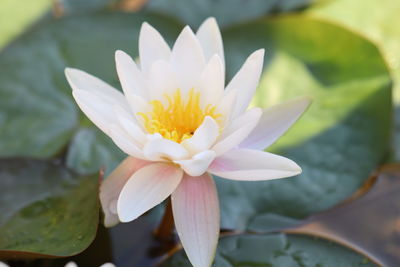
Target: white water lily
{"x": 179, "y": 124}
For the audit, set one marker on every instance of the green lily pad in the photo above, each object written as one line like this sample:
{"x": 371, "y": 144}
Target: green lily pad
{"x": 380, "y": 24}
{"x": 339, "y": 141}
{"x": 89, "y": 148}
{"x": 45, "y": 210}
{"x": 278, "y": 250}
{"x": 38, "y": 116}
{"x": 193, "y": 12}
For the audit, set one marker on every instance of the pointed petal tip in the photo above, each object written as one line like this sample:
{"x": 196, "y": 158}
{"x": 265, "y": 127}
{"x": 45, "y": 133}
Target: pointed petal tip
{"x": 187, "y": 31}
{"x": 300, "y": 171}
{"x": 211, "y": 21}
{"x": 258, "y": 54}
{"x": 67, "y": 70}
{"x": 308, "y": 99}
{"x": 302, "y": 101}
{"x": 295, "y": 168}
{"x": 119, "y": 53}
{"x": 70, "y": 72}
{"x": 146, "y": 25}
{"x": 216, "y": 57}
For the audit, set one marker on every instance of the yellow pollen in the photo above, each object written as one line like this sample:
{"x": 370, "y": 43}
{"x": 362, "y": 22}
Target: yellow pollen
{"x": 180, "y": 119}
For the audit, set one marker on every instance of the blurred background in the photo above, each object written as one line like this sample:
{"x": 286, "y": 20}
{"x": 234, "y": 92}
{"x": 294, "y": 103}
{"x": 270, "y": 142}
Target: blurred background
{"x": 343, "y": 210}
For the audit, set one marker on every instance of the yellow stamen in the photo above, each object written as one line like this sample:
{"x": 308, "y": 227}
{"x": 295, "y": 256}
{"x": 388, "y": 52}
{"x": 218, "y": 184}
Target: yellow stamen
{"x": 180, "y": 119}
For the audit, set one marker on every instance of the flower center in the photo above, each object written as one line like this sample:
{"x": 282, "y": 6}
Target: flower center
{"x": 180, "y": 119}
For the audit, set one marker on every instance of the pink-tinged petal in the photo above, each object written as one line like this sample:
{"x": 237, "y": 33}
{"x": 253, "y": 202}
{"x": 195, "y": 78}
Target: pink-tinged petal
{"x": 187, "y": 59}
{"x": 210, "y": 39}
{"x": 131, "y": 78}
{"x": 203, "y": 138}
{"x": 253, "y": 165}
{"x": 125, "y": 142}
{"x": 147, "y": 188}
{"x": 196, "y": 213}
{"x": 198, "y": 164}
{"x": 160, "y": 149}
{"x": 152, "y": 47}
{"x": 233, "y": 138}
{"x": 246, "y": 81}
{"x": 111, "y": 188}
{"x": 274, "y": 122}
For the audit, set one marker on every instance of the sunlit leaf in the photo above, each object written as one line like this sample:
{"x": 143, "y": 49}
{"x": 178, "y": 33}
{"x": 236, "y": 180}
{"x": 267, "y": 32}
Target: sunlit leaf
{"x": 340, "y": 140}
{"x": 16, "y": 16}
{"x": 380, "y": 24}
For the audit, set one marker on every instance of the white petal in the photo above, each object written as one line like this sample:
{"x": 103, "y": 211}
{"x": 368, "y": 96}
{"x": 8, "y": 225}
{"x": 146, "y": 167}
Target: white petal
{"x": 99, "y": 111}
{"x": 196, "y": 214}
{"x": 162, "y": 80}
{"x": 210, "y": 39}
{"x": 275, "y": 121}
{"x": 212, "y": 81}
{"x": 138, "y": 104}
{"x": 131, "y": 78}
{"x": 235, "y": 137}
{"x": 250, "y": 115}
{"x": 80, "y": 80}
{"x": 246, "y": 81}
{"x": 147, "y": 188}
{"x": 129, "y": 123}
{"x": 111, "y": 188}
{"x": 152, "y": 46}
{"x": 226, "y": 106}
{"x": 95, "y": 98}
{"x": 204, "y": 137}
{"x": 187, "y": 59}
{"x": 253, "y": 165}
{"x": 198, "y": 164}
{"x": 125, "y": 142}
{"x": 160, "y": 149}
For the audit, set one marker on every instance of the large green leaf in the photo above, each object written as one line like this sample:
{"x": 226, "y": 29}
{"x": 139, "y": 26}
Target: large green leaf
{"x": 378, "y": 20}
{"x": 278, "y": 250}
{"x": 37, "y": 114}
{"x": 45, "y": 209}
{"x": 227, "y": 12}
{"x": 341, "y": 138}
{"x": 89, "y": 149}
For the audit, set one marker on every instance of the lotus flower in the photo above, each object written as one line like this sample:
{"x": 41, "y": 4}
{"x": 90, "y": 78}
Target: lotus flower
{"x": 179, "y": 125}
